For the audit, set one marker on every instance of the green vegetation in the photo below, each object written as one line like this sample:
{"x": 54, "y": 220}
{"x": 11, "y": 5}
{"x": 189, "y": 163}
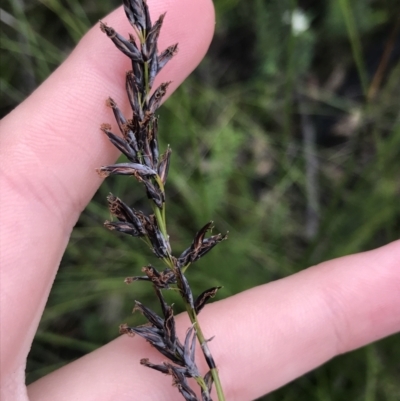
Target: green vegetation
{"x": 288, "y": 137}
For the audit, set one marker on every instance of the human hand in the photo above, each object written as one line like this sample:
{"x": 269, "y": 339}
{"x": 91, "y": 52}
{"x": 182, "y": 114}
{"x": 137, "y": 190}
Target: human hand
{"x": 50, "y": 147}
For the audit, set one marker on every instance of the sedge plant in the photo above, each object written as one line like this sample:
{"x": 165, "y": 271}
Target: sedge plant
{"x": 138, "y": 142}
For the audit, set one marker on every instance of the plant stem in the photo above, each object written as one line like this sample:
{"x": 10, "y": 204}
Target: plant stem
{"x": 161, "y": 222}
{"x": 206, "y": 352}
{"x": 200, "y": 336}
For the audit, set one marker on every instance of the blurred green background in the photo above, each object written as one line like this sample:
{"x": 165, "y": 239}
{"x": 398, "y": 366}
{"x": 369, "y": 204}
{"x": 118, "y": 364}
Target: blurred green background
{"x": 287, "y": 136}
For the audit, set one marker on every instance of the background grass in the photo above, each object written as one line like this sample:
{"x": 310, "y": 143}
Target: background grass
{"x": 287, "y": 135}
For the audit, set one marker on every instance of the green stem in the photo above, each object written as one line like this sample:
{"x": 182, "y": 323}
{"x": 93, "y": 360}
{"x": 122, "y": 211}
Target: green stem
{"x": 160, "y": 221}
{"x": 202, "y": 341}
{"x": 185, "y": 267}
{"x": 206, "y": 351}
{"x": 200, "y": 381}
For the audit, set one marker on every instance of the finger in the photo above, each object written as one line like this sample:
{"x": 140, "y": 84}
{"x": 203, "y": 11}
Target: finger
{"x": 264, "y": 337}
{"x": 50, "y": 147}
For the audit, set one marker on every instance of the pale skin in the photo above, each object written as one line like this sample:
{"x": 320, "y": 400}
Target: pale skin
{"x": 51, "y": 145}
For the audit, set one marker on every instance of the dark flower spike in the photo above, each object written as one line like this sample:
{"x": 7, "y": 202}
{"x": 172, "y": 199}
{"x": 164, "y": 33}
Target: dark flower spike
{"x": 167, "y": 278}
{"x": 119, "y": 117}
{"x": 122, "y": 227}
{"x": 139, "y": 221}
{"x": 153, "y": 70}
{"x": 156, "y": 338}
{"x": 163, "y": 165}
{"x": 120, "y": 143}
{"x": 138, "y": 14}
{"x": 189, "y": 353}
{"x": 209, "y": 244}
{"x": 164, "y": 368}
{"x": 124, "y": 213}
{"x": 122, "y": 44}
{"x": 152, "y": 274}
{"x": 160, "y": 280}
{"x": 184, "y": 287}
{"x": 169, "y": 328}
{"x": 138, "y": 73}
{"x": 166, "y": 55}
{"x": 146, "y": 153}
{"x": 132, "y": 39}
{"x": 155, "y": 100}
{"x": 169, "y": 322}
{"x": 181, "y": 383}
{"x": 199, "y": 238}
{"x": 202, "y": 299}
{"x": 154, "y": 193}
{"x": 139, "y": 143}
{"x": 164, "y": 305}
{"x": 152, "y": 138}
{"x": 200, "y": 246}
{"x": 151, "y": 316}
{"x": 159, "y": 243}
{"x": 153, "y": 336}
{"x": 187, "y": 255}
{"x": 138, "y": 170}
{"x": 132, "y": 90}
{"x": 160, "y": 368}
{"x": 130, "y": 136}
{"x": 128, "y": 133}
{"x": 129, "y": 280}
{"x": 119, "y": 208}
{"x": 208, "y": 379}
{"x": 149, "y": 50}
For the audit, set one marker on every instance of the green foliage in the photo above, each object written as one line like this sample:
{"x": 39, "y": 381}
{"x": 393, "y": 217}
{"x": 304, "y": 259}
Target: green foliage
{"x": 239, "y": 158}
